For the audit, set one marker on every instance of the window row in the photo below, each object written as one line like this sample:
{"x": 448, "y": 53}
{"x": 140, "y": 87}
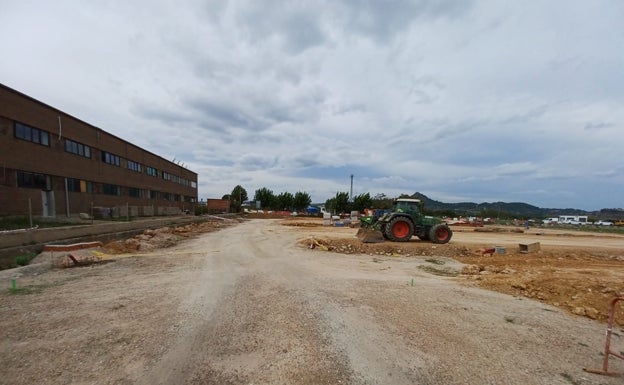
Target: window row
{"x": 179, "y": 180}
{"x": 134, "y": 166}
{"x": 35, "y": 135}
{"x": 77, "y": 185}
{"x": 43, "y": 182}
{"x": 33, "y": 180}
{"x": 32, "y": 134}
{"x": 109, "y": 158}
{"x": 77, "y": 148}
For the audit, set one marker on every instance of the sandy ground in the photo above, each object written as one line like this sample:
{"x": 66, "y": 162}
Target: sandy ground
{"x": 253, "y": 304}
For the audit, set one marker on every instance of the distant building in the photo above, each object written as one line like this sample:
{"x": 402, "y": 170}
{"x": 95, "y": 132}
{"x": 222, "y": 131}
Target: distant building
{"x": 60, "y": 166}
{"x": 217, "y": 205}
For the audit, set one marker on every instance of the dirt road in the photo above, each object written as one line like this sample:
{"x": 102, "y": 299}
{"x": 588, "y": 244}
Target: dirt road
{"x": 249, "y": 305}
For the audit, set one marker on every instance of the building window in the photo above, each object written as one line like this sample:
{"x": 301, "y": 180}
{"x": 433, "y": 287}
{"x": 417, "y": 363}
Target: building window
{"x": 86, "y": 186}
{"x": 135, "y": 192}
{"x": 32, "y": 134}
{"x": 166, "y": 196}
{"x": 193, "y": 184}
{"x": 111, "y": 189}
{"x": 166, "y": 176}
{"x": 153, "y": 194}
{"x": 151, "y": 171}
{"x": 73, "y": 184}
{"x": 134, "y": 166}
{"x": 109, "y": 158}
{"x": 32, "y": 180}
{"x": 79, "y": 185}
{"x": 77, "y": 148}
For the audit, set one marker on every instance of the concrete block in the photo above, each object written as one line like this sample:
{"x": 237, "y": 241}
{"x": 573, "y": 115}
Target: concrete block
{"x": 529, "y": 247}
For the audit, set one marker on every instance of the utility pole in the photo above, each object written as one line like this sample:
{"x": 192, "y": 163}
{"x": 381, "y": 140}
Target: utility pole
{"x": 351, "y": 191}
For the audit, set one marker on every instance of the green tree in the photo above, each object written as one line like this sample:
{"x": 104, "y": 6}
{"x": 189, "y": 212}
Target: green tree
{"x": 301, "y": 200}
{"x": 330, "y": 205}
{"x": 237, "y": 197}
{"x": 381, "y": 201}
{"x": 265, "y": 197}
{"x": 361, "y": 202}
{"x": 339, "y": 203}
{"x": 284, "y": 201}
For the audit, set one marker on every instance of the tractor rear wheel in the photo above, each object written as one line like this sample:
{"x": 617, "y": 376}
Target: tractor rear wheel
{"x": 440, "y": 233}
{"x": 399, "y": 229}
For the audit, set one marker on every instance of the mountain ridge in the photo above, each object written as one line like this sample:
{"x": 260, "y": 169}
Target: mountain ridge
{"x": 491, "y": 208}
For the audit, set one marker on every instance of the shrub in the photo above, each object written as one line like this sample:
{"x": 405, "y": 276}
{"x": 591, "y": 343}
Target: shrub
{"x": 23, "y": 260}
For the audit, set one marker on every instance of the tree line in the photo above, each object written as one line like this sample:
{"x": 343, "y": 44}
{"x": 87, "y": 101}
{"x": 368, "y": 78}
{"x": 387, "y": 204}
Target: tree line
{"x": 266, "y": 199}
{"x": 340, "y": 203}
{"x": 300, "y": 200}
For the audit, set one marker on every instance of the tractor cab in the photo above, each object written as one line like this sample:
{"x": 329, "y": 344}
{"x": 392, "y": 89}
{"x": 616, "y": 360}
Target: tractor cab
{"x": 407, "y": 205}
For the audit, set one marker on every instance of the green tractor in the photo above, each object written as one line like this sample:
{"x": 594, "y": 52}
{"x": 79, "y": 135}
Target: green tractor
{"x": 404, "y": 221}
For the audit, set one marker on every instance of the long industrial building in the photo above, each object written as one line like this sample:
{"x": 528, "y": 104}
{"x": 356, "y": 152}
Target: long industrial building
{"x": 55, "y": 165}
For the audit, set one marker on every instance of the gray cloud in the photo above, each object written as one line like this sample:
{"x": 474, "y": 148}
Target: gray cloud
{"x": 382, "y": 21}
{"x": 467, "y": 100}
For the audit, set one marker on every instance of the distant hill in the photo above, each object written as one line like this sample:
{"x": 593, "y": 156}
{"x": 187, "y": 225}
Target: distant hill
{"x": 491, "y": 209}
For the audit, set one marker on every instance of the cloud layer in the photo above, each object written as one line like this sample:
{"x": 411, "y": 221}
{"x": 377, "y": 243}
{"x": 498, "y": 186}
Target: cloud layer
{"x": 463, "y": 101}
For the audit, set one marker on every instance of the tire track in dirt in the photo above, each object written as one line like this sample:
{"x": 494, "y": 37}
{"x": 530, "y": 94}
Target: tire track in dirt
{"x": 245, "y": 324}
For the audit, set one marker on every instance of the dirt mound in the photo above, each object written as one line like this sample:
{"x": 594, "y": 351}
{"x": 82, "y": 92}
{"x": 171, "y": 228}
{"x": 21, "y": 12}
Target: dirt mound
{"x": 152, "y": 239}
{"x": 354, "y": 246}
{"x": 580, "y": 281}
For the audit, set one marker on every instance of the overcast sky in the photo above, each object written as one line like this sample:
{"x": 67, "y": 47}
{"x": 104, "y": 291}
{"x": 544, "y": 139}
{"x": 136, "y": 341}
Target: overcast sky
{"x": 516, "y": 101}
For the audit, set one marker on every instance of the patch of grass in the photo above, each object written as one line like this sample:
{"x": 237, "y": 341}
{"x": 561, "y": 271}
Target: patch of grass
{"x": 23, "y": 260}
{"x": 24, "y": 290}
{"x": 435, "y": 261}
{"x": 22, "y": 222}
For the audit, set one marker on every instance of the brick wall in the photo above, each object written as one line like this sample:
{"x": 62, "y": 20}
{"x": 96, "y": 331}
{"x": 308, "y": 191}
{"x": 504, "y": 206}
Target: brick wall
{"x": 19, "y": 155}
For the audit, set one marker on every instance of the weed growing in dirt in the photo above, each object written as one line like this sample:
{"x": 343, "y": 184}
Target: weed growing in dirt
{"x": 24, "y": 259}
{"x": 25, "y": 290}
{"x": 34, "y": 289}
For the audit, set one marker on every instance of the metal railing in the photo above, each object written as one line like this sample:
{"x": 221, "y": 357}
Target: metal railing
{"x": 608, "y": 352}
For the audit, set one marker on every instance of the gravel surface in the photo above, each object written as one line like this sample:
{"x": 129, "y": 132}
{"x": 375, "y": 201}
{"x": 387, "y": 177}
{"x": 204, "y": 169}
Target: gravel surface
{"x": 250, "y": 305}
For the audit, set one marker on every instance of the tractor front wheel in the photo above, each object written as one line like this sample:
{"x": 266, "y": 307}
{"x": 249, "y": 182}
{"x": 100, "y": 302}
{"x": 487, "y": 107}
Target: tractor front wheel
{"x": 383, "y": 230}
{"x": 440, "y": 233}
{"x": 399, "y": 229}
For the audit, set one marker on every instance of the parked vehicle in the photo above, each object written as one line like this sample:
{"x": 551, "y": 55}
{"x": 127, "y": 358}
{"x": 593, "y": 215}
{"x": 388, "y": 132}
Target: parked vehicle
{"x": 604, "y": 223}
{"x": 573, "y": 220}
